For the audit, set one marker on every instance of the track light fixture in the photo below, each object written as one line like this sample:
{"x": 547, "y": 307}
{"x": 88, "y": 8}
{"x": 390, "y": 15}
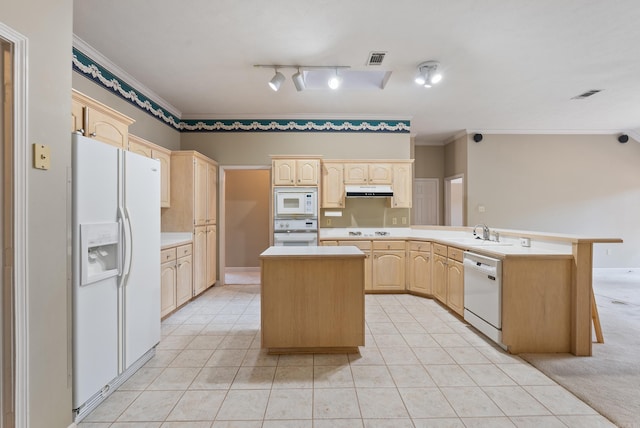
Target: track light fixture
{"x": 428, "y": 74}
{"x": 298, "y": 77}
{"x": 276, "y": 80}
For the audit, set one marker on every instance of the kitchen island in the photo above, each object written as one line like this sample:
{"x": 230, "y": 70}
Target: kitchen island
{"x": 312, "y": 299}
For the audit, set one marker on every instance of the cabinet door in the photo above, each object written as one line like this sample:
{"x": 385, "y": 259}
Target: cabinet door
{"x": 307, "y": 172}
{"x": 211, "y": 270}
{"x": 356, "y": 173}
{"x": 420, "y": 272}
{"x": 184, "y": 281}
{"x": 165, "y": 176}
{"x": 103, "y": 127}
{"x": 167, "y": 287}
{"x": 199, "y": 260}
{"x": 200, "y": 192}
{"x": 332, "y": 185}
{"x": 388, "y": 270}
{"x": 77, "y": 117}
{"x": 212, "y": 193}
{"x": 284, "y": 172}
{"x": 455, "y": 286}
{"x": 439, "y": 278}
{"x": 380, "y": 173}
{"x": 402, "y": 185}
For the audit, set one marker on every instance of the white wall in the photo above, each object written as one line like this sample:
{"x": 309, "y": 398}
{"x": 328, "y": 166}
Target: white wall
{"x": 47, "y": 25}
{"x": 577, "y": 184}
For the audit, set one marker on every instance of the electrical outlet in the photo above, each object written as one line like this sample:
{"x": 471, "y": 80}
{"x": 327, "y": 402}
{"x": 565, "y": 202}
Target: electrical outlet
{"x": 525, "y": 242}
{"x": 394, "y": 220}
{"x": 404, "y": 220}
{"x": 328, "y": 222}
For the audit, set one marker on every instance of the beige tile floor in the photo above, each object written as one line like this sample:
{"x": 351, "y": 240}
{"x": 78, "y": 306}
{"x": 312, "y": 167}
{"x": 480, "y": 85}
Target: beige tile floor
{"x": 421, "y": 367}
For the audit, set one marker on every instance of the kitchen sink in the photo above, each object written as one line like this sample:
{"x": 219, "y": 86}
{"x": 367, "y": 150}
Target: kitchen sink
{"x": 478, "y": 242}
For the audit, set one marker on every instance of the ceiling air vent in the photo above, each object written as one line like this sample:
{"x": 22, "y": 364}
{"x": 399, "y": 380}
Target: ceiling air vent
{"x": 586, "y": 94}
{"x": 375, "y": 58}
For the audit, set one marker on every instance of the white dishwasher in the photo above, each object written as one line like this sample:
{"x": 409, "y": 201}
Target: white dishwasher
{"x": 483, "y": 294}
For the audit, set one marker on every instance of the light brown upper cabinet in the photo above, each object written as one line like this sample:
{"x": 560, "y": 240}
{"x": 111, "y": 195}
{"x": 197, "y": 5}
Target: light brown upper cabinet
{"x": 332, "y": 185}
{"x": 293, "y": 171}
{"x": 150, "y": 150}
{"x": 402, "y": 185}
{"x": 95, "y": 120}
{"x": 368, "y": 173}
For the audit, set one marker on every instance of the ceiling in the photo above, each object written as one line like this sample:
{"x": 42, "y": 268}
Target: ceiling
{"x": 508, "y": 65}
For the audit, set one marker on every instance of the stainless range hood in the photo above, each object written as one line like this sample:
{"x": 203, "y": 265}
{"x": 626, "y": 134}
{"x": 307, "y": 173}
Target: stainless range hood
{"x": 368, "y": 191}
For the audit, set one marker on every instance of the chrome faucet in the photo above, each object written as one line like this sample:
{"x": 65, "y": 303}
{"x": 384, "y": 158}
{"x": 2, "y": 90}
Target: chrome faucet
{"x": 486, "y": 233}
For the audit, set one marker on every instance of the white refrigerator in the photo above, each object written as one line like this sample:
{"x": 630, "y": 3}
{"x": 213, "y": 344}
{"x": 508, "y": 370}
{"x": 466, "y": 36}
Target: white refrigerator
{"x": 116, "y": 268}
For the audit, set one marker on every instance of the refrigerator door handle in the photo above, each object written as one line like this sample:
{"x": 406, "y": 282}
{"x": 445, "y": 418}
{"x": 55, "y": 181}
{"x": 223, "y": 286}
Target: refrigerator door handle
{"x": 121, "y": 246}
{"x": 128, "y": 234}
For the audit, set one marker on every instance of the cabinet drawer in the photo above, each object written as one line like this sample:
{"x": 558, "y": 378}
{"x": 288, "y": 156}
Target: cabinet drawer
{"x": 184, "y": 250}
{"x": 167, "y": 255}
{"x": 365, "y": 246}
{"x": 420, "y": 246}
{"x": 455, "y": 253}
{"x": 388, "y": 245}
{"x": 440, "y": 249}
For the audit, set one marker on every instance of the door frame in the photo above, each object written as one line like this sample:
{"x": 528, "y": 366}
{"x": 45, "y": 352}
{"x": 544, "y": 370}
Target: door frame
{"x": 447, "y": 199}
{"x": 222, "y": 169}
{"x": 20, "y": 217}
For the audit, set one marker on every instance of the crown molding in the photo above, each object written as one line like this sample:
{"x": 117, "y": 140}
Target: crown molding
{"x": 546, "y": 131}
{"x": 107, "y": 64}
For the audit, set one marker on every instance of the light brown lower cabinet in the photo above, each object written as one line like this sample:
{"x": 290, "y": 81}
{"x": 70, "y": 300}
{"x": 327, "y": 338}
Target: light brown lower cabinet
{"x": 176, "y": 273}
{"x": 388, "y": 265}
{"x": 419, "y": 267}
{"x": 365, "y": 247}
{"x": 440, "y": 277}
{"x": 455, "y": 286}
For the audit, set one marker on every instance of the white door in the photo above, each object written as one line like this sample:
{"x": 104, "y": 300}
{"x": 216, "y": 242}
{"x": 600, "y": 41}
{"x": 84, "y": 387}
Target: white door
{"x": 426, "y": 206}
{"x": 142, "y": 286}
{"x": 95, "y": 305}
{"x": 454, "y": 200}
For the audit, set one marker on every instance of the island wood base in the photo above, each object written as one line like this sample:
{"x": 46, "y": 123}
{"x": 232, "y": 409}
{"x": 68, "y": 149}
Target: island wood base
{"x": 312, "y": 303}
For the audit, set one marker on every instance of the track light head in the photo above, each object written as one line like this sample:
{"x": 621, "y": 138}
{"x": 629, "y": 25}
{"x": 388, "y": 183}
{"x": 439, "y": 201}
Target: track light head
{"x": 335, "y": 81}
{"x": 623, "y": 138}
{"x": 276, "y": 80}
{"x": 477, "y": 137}
{"x": 298, "y": 81}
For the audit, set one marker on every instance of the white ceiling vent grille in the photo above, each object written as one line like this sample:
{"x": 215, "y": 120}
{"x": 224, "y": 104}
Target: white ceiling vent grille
{"x": 586, "y": 94}
{"x": 376, "y": 58}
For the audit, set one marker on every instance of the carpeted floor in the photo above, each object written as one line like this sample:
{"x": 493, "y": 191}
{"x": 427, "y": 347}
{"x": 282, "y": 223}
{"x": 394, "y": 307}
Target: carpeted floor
{"x": 609, "y": 381}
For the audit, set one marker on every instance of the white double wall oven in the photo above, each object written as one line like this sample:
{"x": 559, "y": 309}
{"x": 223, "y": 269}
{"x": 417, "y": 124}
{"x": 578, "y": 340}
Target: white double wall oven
{"x": 295, "y": 216}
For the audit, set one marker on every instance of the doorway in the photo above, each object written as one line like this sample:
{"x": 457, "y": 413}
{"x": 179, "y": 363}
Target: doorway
{"x": 13, "y": 233}
{"x": 454, "y": 200}
{"x": 244, "y": 224}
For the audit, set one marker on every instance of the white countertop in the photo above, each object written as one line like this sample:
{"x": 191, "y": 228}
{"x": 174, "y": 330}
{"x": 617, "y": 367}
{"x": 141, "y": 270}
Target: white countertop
{"x": 508, "y": 246}
{"x": 171, "y": 239}
{"x": 319, "y": 251}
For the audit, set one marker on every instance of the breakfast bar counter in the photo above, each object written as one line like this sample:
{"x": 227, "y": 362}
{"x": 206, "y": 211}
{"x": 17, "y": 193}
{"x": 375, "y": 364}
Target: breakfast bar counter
{"x": 312, "y": 299}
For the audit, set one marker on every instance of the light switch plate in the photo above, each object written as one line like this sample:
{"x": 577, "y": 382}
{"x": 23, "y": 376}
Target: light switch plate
{"x": 41, "y": 156}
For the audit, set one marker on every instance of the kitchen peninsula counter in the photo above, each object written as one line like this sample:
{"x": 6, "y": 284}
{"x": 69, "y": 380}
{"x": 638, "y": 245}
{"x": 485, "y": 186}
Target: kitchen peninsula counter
{"x": 312, "y": 299}
{"x": 552, "y": 277}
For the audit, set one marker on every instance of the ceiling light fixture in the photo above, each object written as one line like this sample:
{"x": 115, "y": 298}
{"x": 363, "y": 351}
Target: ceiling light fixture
{"x": 299, "y": 77}
{"x": 334, "y": 81}
{"x": 428, "y": 74}
{"x": 298, "y": 81}
{"x": 276, "y": 80}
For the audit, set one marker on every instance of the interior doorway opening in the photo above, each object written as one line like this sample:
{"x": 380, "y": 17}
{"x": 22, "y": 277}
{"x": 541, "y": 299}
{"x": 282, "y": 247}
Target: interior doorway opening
{"x": 245, "y": 222}
{"x": 454, "y": 200}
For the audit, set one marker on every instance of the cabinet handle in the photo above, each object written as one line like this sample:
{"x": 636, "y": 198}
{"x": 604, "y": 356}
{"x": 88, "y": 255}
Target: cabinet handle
{"x": 80, "y": 131}
{"x": 93, "y": 134}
